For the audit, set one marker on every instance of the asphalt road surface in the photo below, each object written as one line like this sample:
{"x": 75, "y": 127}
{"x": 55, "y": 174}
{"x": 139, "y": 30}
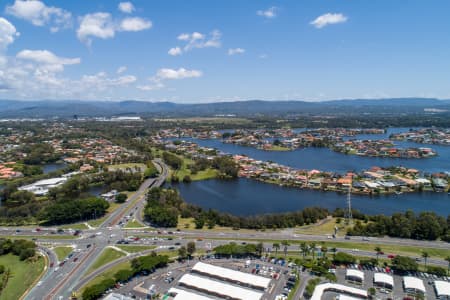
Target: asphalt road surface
{"x": 60, "y": 280}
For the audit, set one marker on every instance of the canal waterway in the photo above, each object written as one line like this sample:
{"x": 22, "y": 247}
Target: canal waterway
{"x": 250, "y": 197}
{"x": 325, "y": 159}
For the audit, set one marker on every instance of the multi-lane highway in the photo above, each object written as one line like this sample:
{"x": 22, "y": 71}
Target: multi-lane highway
{"x": 61, "y": 278}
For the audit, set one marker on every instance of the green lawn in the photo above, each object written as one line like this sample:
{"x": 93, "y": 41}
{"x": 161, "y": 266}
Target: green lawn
{"x": 323, "y": 227}
{"x": 107, "y": 274}
{"x": 135, "y": 248}
{"x": 134, "y": 224}
{"x": 360, "y": 245}
{"x": 23, "y": 275}
{"x": 75, "y": 226}
{"x": 41, "y": 237}
{"x": 62, "y": 252}
{"x": 202, "y": 175}
{"x": 108, "y": 255}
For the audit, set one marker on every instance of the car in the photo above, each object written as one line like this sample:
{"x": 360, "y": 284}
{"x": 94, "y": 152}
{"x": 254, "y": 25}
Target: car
{"x": 62, "y": 263}
{"x": 39, "y": 283}
{"x": 56, "y": 269}
{"x": 38, "y": 229}
{"x": 347, "y": 237}
{"x": 177, "y": 244}
{"x": 88, "y": 245}
{"x": 75, "y": 259}
{"x": 171, "y": 248}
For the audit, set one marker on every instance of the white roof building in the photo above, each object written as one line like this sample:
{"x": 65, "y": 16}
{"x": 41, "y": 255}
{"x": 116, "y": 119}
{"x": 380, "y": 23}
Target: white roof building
{"x": 232, "y": 275}
{"x": 413, "y": 283}
{"x": 383, "y": 279}
{"x": 115, "y": 296}
{"x": 185, "y": 295}
{"x": 322, "y": 288}
{"x": 355, "y": 274}
{"x": 42, "y": 187}
{"x": 442, "y": 289}
{"x": 218, "y": 288}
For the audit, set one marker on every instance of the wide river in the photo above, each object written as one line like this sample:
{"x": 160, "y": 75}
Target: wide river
{"x": 248, "y": 197}
{"x": 325, "y": 159}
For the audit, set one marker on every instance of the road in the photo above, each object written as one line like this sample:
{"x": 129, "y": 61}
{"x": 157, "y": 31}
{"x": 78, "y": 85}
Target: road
{"x": 60, "y": 281}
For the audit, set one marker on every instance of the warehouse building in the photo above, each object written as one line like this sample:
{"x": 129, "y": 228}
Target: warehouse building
{"x": 241, "y": 278}
{"x": 218, "y": 289}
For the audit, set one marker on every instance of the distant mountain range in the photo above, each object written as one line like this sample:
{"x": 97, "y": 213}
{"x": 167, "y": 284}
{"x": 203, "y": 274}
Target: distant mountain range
{"x": 69, "y": 108}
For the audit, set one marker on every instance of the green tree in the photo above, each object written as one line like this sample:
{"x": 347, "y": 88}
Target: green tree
{"x": 260, "y": 248}
{"x": 448, "y": 264}
{"x": 276, "y": 246}
{"x": 344, "y": 258}
{"x": 123, "y": 275}
{"x": 121, "y": 198}
{"x": 378, "y": 252}
{"x": 404, "y": 263}
{"x": 312, "y": 246}
{"x": 425, "y": 256}
{"x": 285, "y": 245}
{"x": 190, "y": 247}
{"x": 182, "y": 252}
{"x": 304, "y": 249}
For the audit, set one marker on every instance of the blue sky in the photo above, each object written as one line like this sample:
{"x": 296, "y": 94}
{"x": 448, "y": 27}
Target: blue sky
{"x": 205, "y": 51}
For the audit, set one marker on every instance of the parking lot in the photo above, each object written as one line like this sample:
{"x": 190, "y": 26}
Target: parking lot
{"x": 383, "y": 293}
{"x": 161, "y": 281}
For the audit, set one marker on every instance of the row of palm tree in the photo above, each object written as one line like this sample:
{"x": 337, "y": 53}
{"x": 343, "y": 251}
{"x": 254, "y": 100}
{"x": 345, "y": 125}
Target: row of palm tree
{"x": 306, "y": 249}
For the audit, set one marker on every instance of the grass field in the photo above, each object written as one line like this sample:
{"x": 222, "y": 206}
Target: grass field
{"x": 75, "y": 226}
{"x": 135, "y": 248}
{"x": 360, "y": 245}
{"x": 134, "y": 224}
{"x": 202, "y": 175}
{"x": 109, "y": 273}
{"x": 62, "y": 252}
{"x": 325, "y": 227}
{"x": 41, "y": 237}
{"x": 185, "y": 223}
{"x": 108, "y": 255}
{"x": 23, "y": 275}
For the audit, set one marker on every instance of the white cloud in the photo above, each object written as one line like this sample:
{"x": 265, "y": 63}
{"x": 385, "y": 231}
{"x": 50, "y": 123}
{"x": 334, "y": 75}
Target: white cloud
{"x": 263, "y": 56}
{"x": 181, "y": 73}
{"x": 175, "y": 51}
{"x": 134, "y": 24}
{"x": 46, "y": 60}
{"x": 95, "y": 25}
{"x": 39, "y": 14}
{"x": 102, "y": 25}
{"x": 157, "y": 81}
{"x": 233, "y": 51}
{"x": 328, "y": 19}
{"x": 198, "y": 40}
{"x": 126, "y": 7}
{"x": 7, "y": 33}
{"x": 151, "y": 87}
{"x": 121, "y": 69}
{"x": 269, "y": 13}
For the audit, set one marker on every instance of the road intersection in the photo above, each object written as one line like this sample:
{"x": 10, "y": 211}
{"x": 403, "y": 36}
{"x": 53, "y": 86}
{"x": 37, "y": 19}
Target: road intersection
{"x": 62, "y": 278}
